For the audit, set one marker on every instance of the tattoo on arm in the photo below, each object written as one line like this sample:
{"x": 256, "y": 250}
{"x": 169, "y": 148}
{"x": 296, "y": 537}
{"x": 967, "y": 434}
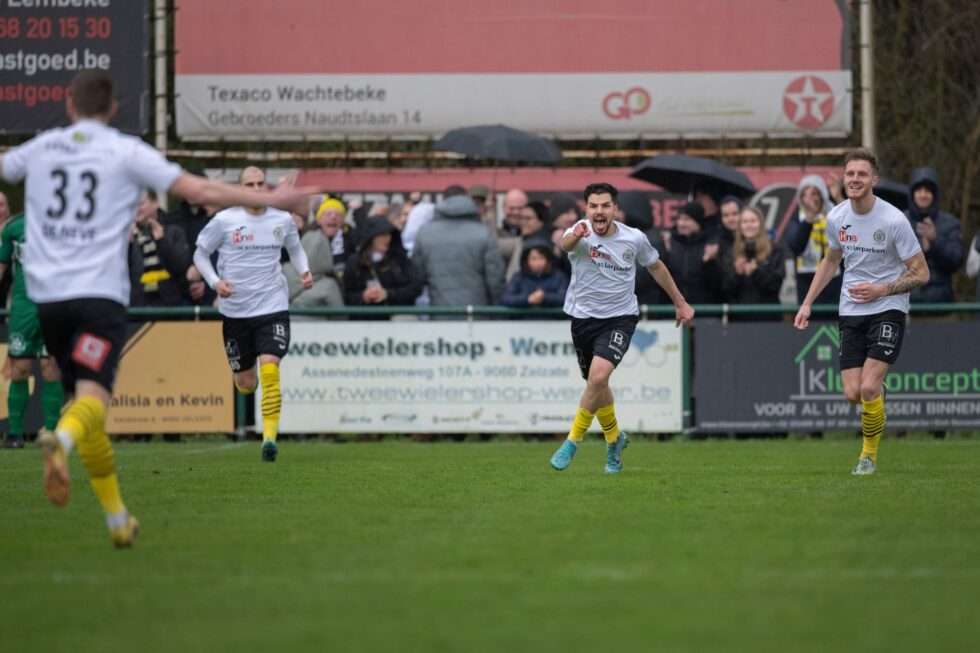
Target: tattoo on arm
{"x": 909, "y": 280}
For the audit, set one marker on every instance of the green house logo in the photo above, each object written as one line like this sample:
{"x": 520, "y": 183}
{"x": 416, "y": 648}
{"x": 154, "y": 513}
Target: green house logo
{"x": 817, "y": 373}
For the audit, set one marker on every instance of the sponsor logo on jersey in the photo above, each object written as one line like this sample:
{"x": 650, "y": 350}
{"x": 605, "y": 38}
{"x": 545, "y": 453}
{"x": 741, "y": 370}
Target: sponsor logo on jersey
{"x": 595, "y": 252}
{"x": 241, "y": 235}
{"x": 845, "y": 237}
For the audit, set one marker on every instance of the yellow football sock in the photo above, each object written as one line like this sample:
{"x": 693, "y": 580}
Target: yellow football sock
{"x": 271, "y": 400}
{"x": 82, "y": 415}
{"x": 107, "y": 489}
{"x": 581, "y": 424}
{"x": 84, "y": 421}
{"x": 872, "y": 426}
{"x": 607, "y": 420}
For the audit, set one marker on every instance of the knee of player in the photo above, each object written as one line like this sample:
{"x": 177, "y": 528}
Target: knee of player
{"x": 870, "y": 391}
{"x": 599, "y": 375}
{"x": 49, "y": 370}
{"x": 20, "y": 369}
{"x": 246, "y": 383}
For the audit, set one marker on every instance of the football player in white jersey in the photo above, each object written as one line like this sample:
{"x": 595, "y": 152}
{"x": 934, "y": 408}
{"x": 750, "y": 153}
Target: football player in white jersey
{"x": 83, "y": 185}
{"x": 253, "y": 297}
{"x": 883, "y": 261}
{"x": 602, "y": 303}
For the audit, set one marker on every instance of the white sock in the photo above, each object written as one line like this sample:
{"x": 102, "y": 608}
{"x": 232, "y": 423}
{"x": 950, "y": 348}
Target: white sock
{"x": 66, "y": 442}
{"x": 116, "y": 519}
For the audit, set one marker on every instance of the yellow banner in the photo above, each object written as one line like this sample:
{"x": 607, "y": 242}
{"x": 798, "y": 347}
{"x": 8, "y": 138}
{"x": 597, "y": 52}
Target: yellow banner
{"x": 173, "y": 378}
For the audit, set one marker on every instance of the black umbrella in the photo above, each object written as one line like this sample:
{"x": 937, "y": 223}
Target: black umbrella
{"x": 680, "y": 173}
{"x": 500, "y": 143}
{"x": 894, "y": 192}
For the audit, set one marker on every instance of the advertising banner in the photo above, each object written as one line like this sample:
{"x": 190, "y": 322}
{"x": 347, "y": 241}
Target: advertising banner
{"x": 326, "y": 69}
{"x": 44, "y": 44}
{"x": 458, "y": 377}
{"x": 173, "y": 378}
{"x": 771, "y": 377}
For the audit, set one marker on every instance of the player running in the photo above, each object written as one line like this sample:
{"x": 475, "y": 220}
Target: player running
{"x": 883, "y": 261}
{"x": 253, "y": 297}
{"x": 83, "y": 185}
{"x": 602, "y": 304}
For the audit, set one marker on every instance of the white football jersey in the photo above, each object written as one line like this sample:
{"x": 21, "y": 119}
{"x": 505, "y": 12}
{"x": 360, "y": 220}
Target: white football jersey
{"x": 875, "y": 246}
{"x": 83, "y": 187}
{"x": 604, "y": 272}
{"x": 249, "y": 250}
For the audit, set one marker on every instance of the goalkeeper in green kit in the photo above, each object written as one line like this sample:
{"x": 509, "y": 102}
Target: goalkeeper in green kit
{"x": 25, "y": 343}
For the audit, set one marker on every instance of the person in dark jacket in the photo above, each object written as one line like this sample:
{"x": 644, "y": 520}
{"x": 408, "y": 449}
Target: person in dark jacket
{"x": 637, "y": 213}
{"x": 753, "y": 273}
{"x": 731, "y": 209}
{"x": 939, "y": 234}
{"x": 707, "y": 197}
{"x": 379, "y": 272}
{"x": 159, "y": 258}
{"x": 683, "y": 252}
{"x": 191, "y": 219}
{"x": 539, "y": 282}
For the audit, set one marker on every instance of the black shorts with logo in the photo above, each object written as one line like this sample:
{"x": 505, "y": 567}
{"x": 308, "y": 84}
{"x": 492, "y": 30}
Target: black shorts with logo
{"x": 877, "y": 336}
{"x": 86, "y": 338}
{"x": 607, "y": 338}
{"x": 246, "y": 338}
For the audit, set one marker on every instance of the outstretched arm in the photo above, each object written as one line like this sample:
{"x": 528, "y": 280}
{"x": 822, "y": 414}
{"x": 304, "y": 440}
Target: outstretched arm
{"x": 198, "y": 190}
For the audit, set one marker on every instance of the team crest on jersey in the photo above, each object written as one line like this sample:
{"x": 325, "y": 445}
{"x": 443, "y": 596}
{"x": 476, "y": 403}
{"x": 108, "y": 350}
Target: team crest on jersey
{"x": 845, "y": 237}
{"x": 241, "y": 235}
{"x": 628, "y": 255}
{"x": 879, "y": 236}
{"x": 18, "y": 344}
{"x": 277, "y": 233}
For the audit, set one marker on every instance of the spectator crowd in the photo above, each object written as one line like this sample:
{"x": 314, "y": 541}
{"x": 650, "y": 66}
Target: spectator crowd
{"x": 466, "y": 248}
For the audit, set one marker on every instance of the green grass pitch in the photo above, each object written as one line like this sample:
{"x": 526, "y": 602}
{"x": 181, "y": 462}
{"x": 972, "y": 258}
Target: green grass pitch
{"x": 696, "y": 546}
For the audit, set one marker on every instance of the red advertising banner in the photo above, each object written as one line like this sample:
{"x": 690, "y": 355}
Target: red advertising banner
{"x": 321, "y": 68}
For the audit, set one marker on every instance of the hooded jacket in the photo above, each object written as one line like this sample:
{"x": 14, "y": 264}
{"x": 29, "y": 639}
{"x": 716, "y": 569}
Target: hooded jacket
{"x": 394, "y": 271}
{"x": 457, "y": 256}
{"x": 808, "y": 243}
{"x": 945, "y": 253}
{"x": 553, "y": 282}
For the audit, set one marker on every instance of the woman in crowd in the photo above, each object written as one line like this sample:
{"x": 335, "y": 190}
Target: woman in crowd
{"x": 379, "y": 273}
{"x": 754, "y": 273}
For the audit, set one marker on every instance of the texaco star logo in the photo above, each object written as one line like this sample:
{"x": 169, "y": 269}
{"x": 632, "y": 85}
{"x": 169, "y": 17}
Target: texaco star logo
{"x": 808, "y": 101}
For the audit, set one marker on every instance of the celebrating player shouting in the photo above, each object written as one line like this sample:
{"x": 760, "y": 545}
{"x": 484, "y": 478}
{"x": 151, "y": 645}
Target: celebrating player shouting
{"x": 602, "y": 304}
